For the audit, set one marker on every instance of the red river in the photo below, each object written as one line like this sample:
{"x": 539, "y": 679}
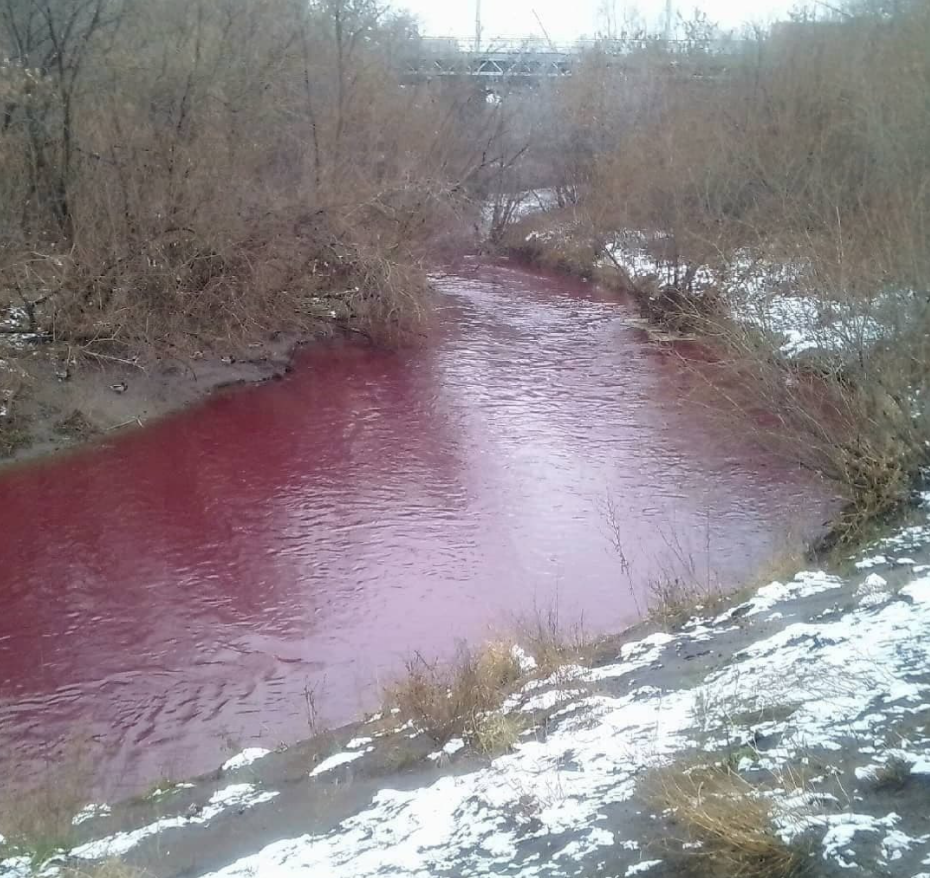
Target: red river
{"x": 169, "y": 596}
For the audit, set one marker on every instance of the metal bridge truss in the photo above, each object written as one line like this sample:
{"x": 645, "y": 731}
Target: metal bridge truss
{"x": 532, "y": 59}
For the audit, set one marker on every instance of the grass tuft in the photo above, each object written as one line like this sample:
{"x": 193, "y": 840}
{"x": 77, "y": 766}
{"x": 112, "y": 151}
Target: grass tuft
{"x": 14, "y": 435}
{"x": 729, "y": 820}
{"x": 445, "y": 700}
{"x": 106, "y": 869}
{"x": 496, "y": 733}
{"x": 674, "y": 600}
{"x": 893, "y": 776}
{"x": 76, "y": 426}
{"x": 551, "y": 643}
{"x": 37, "y": 824}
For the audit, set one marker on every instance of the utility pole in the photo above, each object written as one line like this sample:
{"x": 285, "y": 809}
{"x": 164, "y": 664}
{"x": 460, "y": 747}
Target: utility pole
{"x": 477, "y": 25}
{"x": 669, "y": 20}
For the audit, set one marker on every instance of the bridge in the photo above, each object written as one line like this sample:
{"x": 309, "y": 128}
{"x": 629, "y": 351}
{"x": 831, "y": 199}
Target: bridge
{"x": 534, "y": 59}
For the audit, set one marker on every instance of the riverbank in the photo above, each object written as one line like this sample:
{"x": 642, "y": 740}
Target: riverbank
{"x": 786, "y": 733}
{"x": 58, "y": 409}
{"x": 838, "y": 373}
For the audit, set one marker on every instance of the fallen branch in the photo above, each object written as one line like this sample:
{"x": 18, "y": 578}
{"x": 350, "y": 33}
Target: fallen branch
{"x": 138, "y": 421}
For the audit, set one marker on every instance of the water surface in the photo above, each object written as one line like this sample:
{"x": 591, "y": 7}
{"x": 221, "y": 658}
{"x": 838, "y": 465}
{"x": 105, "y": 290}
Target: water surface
{"x": 176, "y": 593}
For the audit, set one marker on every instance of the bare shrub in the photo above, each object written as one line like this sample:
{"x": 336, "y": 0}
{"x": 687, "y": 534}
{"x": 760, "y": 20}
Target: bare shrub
{"x": 183, "y": 173}
{"x": 858, "y": 419}
{"x": 893, "y": 776}
{"x": 686, "y": 582}
{"x": 801, "y": 176}
{"x": 12, "y": 431}
{"x": 673, "y": 601}
{"x": 444, "y": 700}
{"x": 556, "y": 241}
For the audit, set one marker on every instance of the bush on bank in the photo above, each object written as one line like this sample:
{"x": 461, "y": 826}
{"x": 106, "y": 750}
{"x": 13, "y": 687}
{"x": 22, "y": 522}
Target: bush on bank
{"x": 780, "y": 211}
{"x": 179, "y": 175}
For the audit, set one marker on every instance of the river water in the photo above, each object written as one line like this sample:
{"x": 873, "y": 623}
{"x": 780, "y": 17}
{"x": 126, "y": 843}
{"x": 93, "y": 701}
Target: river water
{"x": 173, "y": 595}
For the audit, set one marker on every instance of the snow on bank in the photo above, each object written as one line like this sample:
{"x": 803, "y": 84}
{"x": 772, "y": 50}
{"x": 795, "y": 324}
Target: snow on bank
{"x": 246, "y": 757}
{"x": 846, "y": 690}
{"x": 337, "y": 760}
{"x": 845, "y": 681}
{"x": 766, "y": 598}
{"x": 236, "y": 796}
{"x": 15, "y": 321}
{"x": 806, "y": 322}
{"x": 525, "y": 204}
{"x": 781, "y": 298}
{"x": 639, "y": 255}
{"x": 91, "y": 812}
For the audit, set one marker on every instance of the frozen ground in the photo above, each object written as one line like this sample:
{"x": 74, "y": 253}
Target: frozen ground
{"x": 780, "y": 298}
{"x": 816, "y": 690}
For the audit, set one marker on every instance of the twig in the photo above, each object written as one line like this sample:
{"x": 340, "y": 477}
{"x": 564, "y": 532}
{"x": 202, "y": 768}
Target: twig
{"x": 138, "y": 421}
{"x": 133, "y": 362}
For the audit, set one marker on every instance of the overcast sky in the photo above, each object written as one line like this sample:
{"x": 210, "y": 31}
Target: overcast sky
{"x": 569, "y": 19}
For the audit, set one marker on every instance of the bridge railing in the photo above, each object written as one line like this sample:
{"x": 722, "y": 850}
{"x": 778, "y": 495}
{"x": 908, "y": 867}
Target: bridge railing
{"x": 519, "y": 46}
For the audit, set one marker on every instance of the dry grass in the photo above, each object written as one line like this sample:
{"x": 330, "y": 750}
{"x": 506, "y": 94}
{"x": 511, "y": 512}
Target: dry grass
{"x": 672, "y": 602}
{"x": 551, "y": 643}
{"x": 106, "y": 869}
{"x": 733, "y": 824}
{"x": 13, "y": 437}
{"x": 495, "y": 733}
{"x": 462, "y": 697}
{"x": 448, "y": 699}
{"x": 893, "y": 776}
{"x": 674, "y": 599}
{"x": 76, "y": 426}
{"x": 554, "y": 241}
{"x": 37, "y": 823}
{"x": 13, "y": 434}
{"x": 399, "y": 754}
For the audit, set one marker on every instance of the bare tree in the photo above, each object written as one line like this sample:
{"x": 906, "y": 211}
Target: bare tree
{"x": 54, "y": 38}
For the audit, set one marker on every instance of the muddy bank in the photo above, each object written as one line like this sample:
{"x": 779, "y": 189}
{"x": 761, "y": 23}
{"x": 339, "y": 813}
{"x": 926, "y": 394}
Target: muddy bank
{"x": 58, "y": 408}
{"x": 811, "y": 696}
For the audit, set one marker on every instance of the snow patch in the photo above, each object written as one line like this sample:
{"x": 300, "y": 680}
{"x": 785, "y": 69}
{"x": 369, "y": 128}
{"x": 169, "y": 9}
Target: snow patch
{"x": 88, "y": 812}
{"x": 338, "y": 759}
{"x": 237, "y": 796}
{"x": 246, "y": 757}
{"x": 643, "y": 866}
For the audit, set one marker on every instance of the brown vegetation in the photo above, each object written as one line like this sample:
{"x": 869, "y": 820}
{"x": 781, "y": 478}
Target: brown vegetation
{"x": 177, "y": 174}
{"x": 181, "y": 174}
{"x": 462, "y": 697}
{"x": 448, "y": 699}
{"x": 551, "y": 642}
{"x": 106, "y": 869}
{"x": 725, "y": 824}
{"x": 893, "y": 776}
{"x": 800, "y": 172}
{"x": 38, "y": 823}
